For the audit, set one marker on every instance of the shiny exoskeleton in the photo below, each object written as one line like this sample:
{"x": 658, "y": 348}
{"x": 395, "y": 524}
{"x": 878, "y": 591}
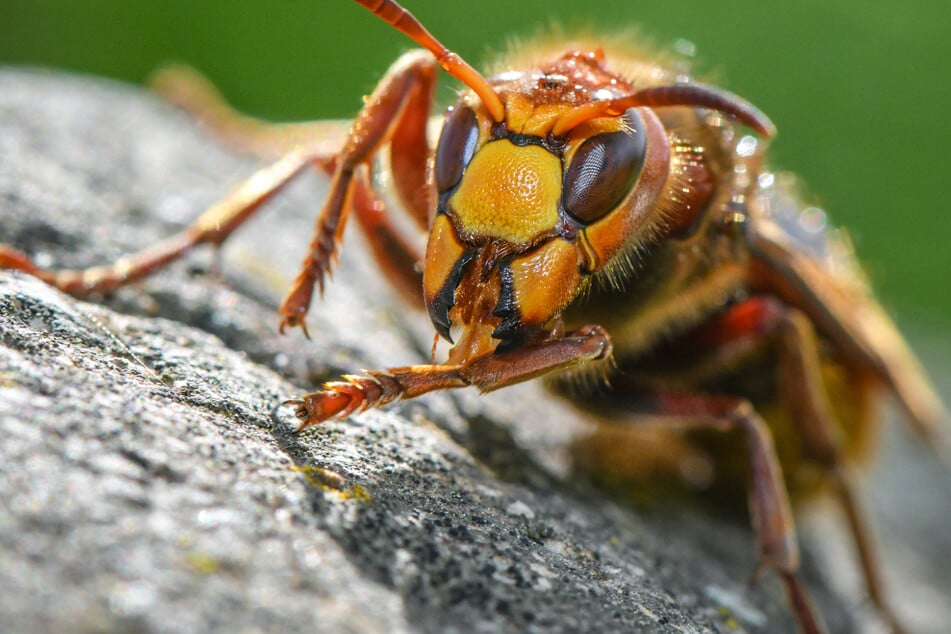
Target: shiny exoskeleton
{"x": 589, "y": 209}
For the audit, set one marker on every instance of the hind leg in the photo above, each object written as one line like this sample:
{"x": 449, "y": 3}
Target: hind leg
{"x": 194, "y": 93}
{"x": 765, "y": 321}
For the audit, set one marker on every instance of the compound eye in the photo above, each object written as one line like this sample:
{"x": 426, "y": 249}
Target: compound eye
{"x": 457, "y": 144}
{"x": 604, "y": 169}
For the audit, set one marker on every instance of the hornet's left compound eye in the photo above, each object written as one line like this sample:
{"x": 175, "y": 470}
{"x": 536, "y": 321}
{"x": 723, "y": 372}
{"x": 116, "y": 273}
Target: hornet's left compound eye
{"x": 457, "y": 145}
{"x": 604, "y": 169}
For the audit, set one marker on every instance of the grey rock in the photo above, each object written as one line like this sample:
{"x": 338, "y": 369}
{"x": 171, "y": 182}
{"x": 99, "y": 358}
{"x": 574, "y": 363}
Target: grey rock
{"x": 145, "y": 486}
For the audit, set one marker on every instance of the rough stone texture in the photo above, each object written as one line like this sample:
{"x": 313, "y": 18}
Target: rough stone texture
{"x": 144, "y": 486}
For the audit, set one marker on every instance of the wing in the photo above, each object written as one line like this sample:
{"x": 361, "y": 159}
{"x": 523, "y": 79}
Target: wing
{"x": 812, "y": 266}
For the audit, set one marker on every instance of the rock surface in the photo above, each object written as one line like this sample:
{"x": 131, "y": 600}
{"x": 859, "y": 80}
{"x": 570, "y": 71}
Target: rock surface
{"x": 145, "y": 486}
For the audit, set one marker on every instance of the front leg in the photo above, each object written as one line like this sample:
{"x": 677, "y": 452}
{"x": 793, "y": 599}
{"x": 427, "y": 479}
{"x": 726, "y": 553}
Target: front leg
{"x": 487, "y": 372}
{"x": 395, "y": 104}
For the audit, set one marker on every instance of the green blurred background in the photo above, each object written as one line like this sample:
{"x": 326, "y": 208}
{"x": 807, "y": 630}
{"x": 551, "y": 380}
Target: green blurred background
{"x": 860, "y": 90}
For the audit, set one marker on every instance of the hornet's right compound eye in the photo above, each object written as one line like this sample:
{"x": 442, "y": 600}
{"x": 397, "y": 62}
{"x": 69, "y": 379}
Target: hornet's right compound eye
{"x": 457, "y": 145}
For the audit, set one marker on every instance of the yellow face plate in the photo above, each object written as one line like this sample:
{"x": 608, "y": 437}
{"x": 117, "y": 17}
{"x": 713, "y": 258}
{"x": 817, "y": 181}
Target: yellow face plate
{"x": 509, "y": 192}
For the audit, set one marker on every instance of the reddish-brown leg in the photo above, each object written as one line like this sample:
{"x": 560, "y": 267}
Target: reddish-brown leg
{"x": 212, "y": 227}
{"x": 409, "y": 151}
{"x": 386, "y": 110}
{"x": 769, "y": 505}
{"x": 487, "y": 372}
{"x": 766, "y": 320}
{"x": 398, "y": 259}
{"x": 801, "y": 382}
{"x": 191, "y": 91}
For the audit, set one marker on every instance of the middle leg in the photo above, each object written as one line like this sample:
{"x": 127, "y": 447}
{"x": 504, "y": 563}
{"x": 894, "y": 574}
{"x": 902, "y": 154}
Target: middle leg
{"x": 212, "y": 227}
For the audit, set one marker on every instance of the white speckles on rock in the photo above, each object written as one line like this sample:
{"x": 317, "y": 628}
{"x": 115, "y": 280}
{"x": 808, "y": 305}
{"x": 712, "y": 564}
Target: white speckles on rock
{"x": 520, "y": 509}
